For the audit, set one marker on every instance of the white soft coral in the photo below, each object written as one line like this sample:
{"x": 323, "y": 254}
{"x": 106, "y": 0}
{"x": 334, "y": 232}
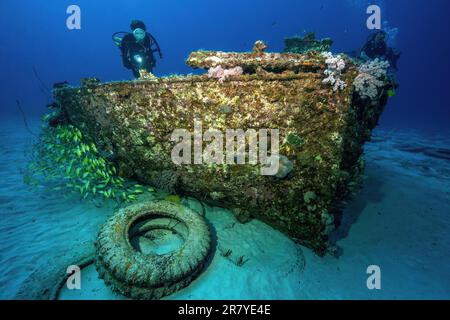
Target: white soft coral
{"x": 335, "y": 67}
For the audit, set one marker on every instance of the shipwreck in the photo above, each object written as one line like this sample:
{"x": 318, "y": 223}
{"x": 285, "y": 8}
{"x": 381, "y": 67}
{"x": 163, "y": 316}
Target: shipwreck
{"x": 324, "y": 107}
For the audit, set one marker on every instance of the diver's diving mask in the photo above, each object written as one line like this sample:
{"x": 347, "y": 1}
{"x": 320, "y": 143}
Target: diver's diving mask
{"x": 139, "y": 34}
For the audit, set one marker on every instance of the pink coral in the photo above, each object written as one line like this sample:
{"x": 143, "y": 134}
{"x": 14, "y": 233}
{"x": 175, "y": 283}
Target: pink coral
{"x": 222, "y": 74}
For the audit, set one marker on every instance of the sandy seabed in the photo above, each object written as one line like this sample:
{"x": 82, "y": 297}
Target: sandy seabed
{"x": 400, "y": 221}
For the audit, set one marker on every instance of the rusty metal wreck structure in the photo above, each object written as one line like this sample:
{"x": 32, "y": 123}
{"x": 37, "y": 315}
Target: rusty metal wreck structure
{"x": 322, "y": 132}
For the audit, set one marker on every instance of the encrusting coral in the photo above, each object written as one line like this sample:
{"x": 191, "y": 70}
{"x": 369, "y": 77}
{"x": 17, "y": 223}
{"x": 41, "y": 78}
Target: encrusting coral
{"x": 132, "y": 273}
{"x": 222, "y": 74}
{"x": 250, "y": 62}
{"x": 165, "y": 180}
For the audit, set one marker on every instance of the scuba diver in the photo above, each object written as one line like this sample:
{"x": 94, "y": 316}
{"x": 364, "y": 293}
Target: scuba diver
{"x": 136, "y": 48}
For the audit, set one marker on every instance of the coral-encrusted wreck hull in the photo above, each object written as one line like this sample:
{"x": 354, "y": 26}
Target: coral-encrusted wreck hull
{"x": 132, "y": 123}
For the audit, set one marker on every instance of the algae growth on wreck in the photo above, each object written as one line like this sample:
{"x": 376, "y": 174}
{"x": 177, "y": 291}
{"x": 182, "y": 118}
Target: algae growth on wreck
{"x": 322, "y": 132}
{"x": 261, "y": 158}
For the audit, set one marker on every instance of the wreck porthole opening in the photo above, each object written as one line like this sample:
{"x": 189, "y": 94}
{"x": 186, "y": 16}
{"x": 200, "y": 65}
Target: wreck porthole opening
{"x": 158, "y": 234}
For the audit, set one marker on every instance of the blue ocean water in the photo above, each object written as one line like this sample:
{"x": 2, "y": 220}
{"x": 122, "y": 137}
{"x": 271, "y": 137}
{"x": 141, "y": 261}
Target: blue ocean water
{"x": 400, "y": 221}
{"x": 34, "y": 34}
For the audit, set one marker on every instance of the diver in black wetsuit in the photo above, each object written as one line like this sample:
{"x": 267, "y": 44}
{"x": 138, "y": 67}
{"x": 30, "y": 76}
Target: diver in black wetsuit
{"x": 376, "y": 47}
{"x": 136, "y": 48}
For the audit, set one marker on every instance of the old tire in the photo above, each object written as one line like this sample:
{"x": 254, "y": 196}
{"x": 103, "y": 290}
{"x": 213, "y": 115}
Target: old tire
{"x": 151, "y": 276}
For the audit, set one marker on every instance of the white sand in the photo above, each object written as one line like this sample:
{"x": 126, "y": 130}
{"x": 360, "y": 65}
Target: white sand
{"x": 400, "y": 221}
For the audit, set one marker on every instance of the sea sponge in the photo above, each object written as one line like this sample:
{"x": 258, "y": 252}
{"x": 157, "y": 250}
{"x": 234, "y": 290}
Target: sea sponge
{"x": 165, "y": 180}
{"x": 145, "y": 75}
